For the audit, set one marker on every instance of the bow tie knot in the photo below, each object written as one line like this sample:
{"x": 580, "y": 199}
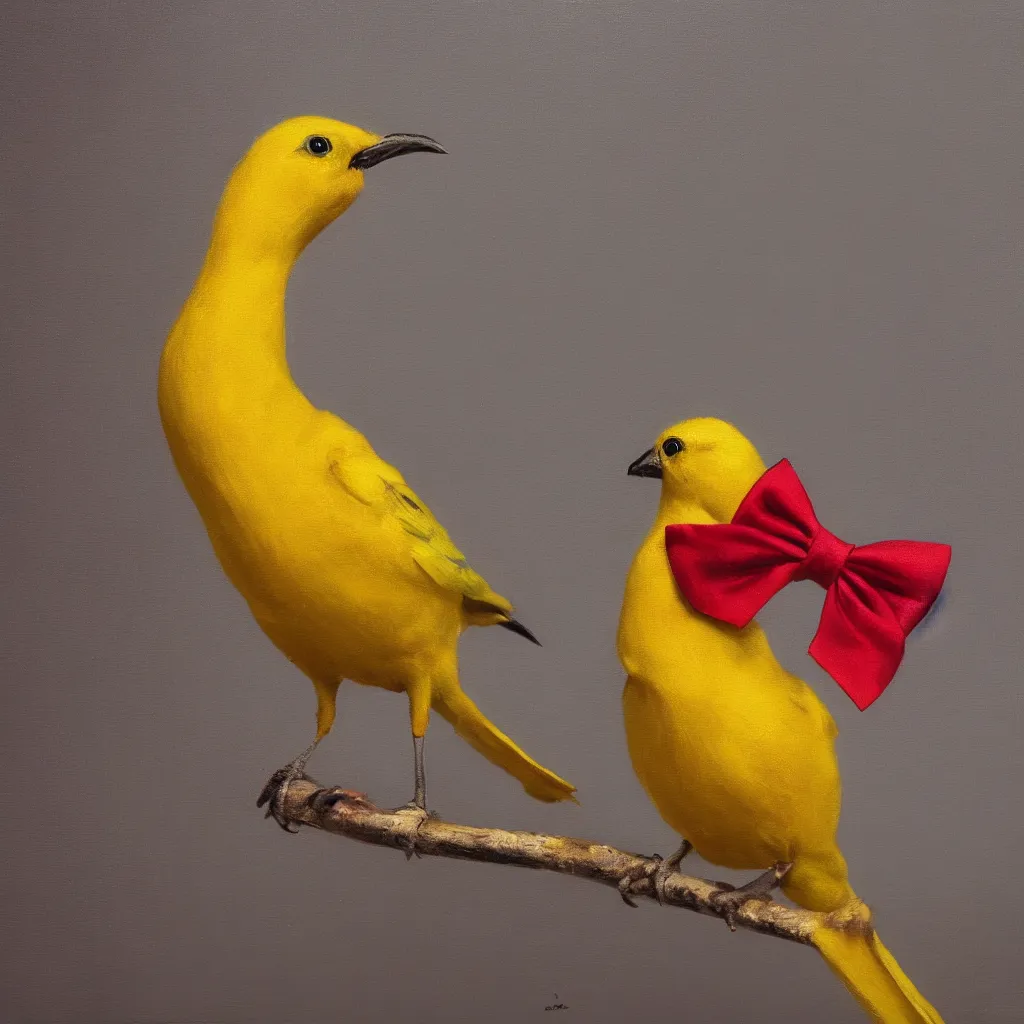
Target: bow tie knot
{"x": 826, "y": 558}
{"x": 874, "y": 595}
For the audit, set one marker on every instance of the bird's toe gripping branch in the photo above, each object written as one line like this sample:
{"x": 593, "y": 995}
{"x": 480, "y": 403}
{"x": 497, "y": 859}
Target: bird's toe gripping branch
{"x": 275, "y": 791}
{"x": 727, "y": 900}
{"x": 651, "y": 877}
{"x": 407, "y": 843}
{"x": 641, "y": 880}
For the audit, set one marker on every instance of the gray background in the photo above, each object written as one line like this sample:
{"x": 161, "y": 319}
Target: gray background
{"x": 804, "y": 218}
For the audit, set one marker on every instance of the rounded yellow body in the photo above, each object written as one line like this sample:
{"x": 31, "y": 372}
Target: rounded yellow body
{"x": 736, "y": 753}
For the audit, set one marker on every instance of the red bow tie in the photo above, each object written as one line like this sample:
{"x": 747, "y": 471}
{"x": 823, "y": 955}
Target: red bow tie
{"x": 875, "y": 595}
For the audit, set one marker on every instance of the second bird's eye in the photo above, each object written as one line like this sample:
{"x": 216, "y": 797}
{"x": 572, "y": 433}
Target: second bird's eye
{"x": 318, "y": 145}
{"x": 673, "y": 446}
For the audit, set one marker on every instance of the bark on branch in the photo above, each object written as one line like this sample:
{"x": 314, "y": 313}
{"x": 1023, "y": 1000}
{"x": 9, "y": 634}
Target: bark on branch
{"x": 351, "y": 814}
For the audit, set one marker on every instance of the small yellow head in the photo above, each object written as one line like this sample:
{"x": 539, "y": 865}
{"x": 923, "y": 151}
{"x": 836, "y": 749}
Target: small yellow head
{"x": 299, "y": 176}
{"x": 703, "y": 461}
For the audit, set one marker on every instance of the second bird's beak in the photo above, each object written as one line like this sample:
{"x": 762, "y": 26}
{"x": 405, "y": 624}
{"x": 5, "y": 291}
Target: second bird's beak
{"x": 394, "y": 145}
{"x": 649, "y": 464}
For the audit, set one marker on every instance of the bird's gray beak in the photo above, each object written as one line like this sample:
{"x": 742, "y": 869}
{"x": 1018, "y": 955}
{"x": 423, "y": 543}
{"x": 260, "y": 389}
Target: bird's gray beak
{"x": 649, "y": 464}
{"x": 394, "y": 145}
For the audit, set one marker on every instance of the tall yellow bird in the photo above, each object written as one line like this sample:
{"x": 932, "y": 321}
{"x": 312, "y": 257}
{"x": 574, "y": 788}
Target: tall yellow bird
{"x": 736, "y": 753}
{"x": 343, "y": 566}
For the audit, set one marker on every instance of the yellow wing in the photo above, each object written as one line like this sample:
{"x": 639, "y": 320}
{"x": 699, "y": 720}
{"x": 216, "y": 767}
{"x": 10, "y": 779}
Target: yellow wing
{"x": 380, "y": 486}
{"x": 433, "y": 550}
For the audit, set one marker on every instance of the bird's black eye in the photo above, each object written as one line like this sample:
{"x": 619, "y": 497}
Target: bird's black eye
{"x": 318, "y": 145}
{"x": 673, "y": 446}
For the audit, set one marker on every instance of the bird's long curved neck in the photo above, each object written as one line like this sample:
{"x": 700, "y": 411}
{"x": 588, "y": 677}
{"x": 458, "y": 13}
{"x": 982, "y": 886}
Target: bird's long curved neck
{"x": 225, "y": 358}
{"x": 239, "y": 300}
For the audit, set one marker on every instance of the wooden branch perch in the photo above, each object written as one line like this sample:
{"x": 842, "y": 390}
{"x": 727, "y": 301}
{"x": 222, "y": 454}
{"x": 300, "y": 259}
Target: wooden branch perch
{"x": 354, "y": 816}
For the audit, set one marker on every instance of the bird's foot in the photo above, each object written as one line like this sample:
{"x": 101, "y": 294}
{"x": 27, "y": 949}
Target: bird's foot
{"x": 640, "y": 881}
{"x": 274, "y": 792}
{"x": 652, "y": 875}
{"x": 413, "y": 806}
{"x": 728, "y": 899}
{"x": 668, "y": 868}
{"x": 413, "y": 810}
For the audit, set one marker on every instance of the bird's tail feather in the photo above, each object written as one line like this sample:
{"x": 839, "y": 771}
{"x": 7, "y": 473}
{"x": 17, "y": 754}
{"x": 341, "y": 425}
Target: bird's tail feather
{"x": 872, "y": 975}
{"x": 469, "y": 722}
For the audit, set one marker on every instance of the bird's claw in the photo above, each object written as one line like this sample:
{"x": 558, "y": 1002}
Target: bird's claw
{"x": 664, "y": 871}
{"x": 657, "y": 872}
{"x": 727, "y": 899}
{"x": 407, "y": 844}
{"x": 641, "y": 881}
{"x": 274, "y": 792}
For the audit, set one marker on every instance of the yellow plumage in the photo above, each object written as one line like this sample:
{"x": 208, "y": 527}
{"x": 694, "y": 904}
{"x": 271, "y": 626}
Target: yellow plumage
{"x": 736, "y": 753}
{"x": 344, "y": 568}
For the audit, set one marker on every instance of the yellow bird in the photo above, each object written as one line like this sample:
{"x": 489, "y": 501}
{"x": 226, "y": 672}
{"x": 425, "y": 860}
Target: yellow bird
{"x": 736, "y": 753}
{"x": 343, "y": 566}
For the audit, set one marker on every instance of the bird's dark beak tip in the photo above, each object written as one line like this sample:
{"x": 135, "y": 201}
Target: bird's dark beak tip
{"x": 392, "y": 146}
{"x": 648, "y": 465}
{"x": 515, "y": 626}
